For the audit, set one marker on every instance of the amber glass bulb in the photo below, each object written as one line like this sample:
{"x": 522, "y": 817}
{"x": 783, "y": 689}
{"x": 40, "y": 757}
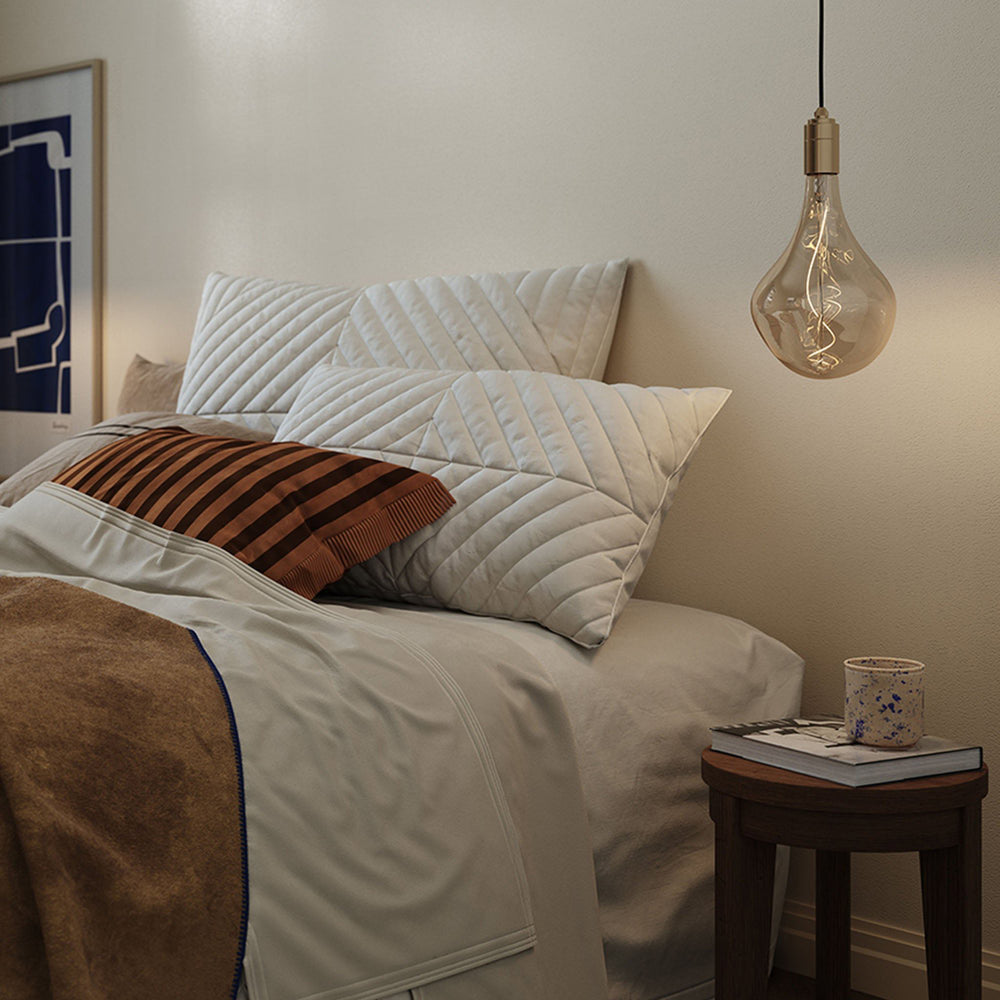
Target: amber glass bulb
{"x": 824, "y": 309}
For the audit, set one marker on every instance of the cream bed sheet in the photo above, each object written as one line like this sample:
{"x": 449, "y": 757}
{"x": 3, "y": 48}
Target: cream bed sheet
{"x": 640, "y": 707}
{"x": 410, "y": 825}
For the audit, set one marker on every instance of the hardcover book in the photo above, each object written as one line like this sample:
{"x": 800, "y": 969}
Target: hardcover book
{"x": 821, "y": 747}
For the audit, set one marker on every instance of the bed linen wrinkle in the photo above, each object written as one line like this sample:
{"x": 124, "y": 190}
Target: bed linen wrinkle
{"x": 521, "y": 811}
{"x": 107, "y": 429}
{"x": 639, "y": 708}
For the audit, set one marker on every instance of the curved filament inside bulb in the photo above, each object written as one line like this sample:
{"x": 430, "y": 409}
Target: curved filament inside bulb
{"x": 823, "y": 308}
{"x": 822, "y": 294}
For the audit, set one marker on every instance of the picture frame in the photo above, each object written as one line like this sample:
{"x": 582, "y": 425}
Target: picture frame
{"x": 51, "y": 257}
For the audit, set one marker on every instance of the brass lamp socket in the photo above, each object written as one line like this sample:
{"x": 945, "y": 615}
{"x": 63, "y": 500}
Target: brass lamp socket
{"x": 822, "y": 144}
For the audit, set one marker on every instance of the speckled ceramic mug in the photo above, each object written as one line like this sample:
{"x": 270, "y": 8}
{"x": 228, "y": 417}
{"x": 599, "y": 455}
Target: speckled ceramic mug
{"x": 884, "y": 700}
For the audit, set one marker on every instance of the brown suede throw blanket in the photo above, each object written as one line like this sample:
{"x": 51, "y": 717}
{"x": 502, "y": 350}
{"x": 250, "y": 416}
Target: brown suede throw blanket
{"x": 122, "y": 841}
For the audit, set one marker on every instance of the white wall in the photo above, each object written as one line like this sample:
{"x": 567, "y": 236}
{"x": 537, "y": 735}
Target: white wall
{"x": 340, "y": 142}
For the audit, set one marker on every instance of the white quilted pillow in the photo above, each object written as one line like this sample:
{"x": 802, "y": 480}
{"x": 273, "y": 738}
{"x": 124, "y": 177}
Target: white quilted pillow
{"x": 560, "y": 484}
{"x": 256, "y": 339}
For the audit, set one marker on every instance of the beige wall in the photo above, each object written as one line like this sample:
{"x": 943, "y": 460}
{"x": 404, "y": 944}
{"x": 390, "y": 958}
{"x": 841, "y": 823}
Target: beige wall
{"x": 338, "y": 141}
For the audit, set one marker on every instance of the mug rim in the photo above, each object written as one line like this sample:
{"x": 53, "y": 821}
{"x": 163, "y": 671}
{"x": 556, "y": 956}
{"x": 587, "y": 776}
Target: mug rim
{"x": 895, "y": 664}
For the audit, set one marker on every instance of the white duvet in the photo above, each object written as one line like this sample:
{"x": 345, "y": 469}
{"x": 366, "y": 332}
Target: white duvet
{"x": 414, "y": 814}
{"x": 640, "y": 707}
{"x": 486, "y": 861}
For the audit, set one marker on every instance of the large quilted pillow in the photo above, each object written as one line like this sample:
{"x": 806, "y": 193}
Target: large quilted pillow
{"x": 560, "y": 484}
{"x": 257, "y": 339}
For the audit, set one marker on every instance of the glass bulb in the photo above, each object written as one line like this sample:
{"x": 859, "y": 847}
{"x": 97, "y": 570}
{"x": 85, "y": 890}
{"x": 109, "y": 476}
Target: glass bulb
{"x": 824, "y": 309}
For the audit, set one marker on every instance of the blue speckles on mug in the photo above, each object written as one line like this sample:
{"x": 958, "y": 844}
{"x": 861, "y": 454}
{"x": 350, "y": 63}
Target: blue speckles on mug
{"x": 884, "y": 700}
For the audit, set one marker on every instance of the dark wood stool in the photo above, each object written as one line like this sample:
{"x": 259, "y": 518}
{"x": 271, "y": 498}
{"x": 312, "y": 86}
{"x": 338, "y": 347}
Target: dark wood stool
{"x": 755, "y": 807}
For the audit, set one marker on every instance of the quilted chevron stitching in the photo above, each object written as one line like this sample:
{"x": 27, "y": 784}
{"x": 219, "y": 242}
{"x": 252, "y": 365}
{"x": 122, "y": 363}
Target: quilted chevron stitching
{"x": 281, "y": 309}
{"x": 611, "y": 320}
{"x": 449, "y": 396}
{"x": 527, "y": 555}
{"x": 457, "y": 544}
{"x": 306, "y": 357}
{"x": 448, "y": 290}
{"x": 218, "y": 322}
{"x": 539, "y": 441}
{"x": 495, "y": 551}
{"x": 586, "y": 323}
{"x": 621, "y": 468}
{"x": 396, "y": 322}
{"x": 241, "y": 304}
{"x": 534, "y": 341}
{"x": 386, "y": 315}
{"x": 385, "y": 395}
{"x": 308, "y": 421}
{"x": 598, "y": 286}
{"x": 569, "y": 428}
{"x": 602, "y": 290}
{"x": 514, "y": 346}
{"x": 672, "y": 480}
{"x": 248, "y": 328}
{"x": 562, "y": 309}
{"x": 480, "y": 556}
{"x": 560, "y": 280}
{"x": 406, "y": 397}
{"x": 309, "y": 428}
{"x": 405, "y": 458}
{"x": 553, "y": 609}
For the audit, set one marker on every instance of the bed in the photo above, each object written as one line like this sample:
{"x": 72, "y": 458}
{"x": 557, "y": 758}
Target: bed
{"x": 467, "y": 766}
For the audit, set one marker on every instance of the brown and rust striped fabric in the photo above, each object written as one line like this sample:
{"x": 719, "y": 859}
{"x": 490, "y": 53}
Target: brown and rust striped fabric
{"x": 298, "y": 514}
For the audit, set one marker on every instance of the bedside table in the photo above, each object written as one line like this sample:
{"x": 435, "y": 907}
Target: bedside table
{"x": 754, "y": 807}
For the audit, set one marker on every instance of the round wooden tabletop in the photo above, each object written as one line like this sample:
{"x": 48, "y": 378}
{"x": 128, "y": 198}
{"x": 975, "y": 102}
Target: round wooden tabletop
{"x": 750, "y": 781}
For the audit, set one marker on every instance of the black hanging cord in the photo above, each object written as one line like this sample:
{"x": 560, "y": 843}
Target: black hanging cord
{"x": 821, "y": 104}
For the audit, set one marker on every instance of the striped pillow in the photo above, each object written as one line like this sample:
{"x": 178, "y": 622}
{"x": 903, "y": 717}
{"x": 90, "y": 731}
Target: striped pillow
{"x": 300, "y": 515}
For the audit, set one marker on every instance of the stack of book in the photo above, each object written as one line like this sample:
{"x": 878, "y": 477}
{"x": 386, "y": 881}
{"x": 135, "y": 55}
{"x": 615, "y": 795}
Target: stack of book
{"x": 821, "y": 747}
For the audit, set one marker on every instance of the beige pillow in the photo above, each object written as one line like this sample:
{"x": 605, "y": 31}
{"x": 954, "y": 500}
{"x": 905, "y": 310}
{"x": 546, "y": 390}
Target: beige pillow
{"x": 150, "y": 387}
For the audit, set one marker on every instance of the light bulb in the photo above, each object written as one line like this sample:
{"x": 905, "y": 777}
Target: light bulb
{"x": 824, "y": 309}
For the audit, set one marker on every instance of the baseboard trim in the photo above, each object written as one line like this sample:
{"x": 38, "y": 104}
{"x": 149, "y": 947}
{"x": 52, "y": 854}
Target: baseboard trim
{"x": 886, "y": 961}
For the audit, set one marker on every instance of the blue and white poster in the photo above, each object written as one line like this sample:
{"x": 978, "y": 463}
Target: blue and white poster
{"x": 49, "y": 277}
{"x": 35, "y": 266}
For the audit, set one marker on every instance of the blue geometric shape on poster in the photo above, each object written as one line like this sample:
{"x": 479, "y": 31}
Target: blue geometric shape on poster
{"x": 35, "y": 254}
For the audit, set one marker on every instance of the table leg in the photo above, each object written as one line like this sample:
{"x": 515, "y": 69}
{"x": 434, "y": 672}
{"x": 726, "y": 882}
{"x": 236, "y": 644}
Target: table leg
{"x": 951, "y": 885}
{"x": 833, "y": 925}
{"x": 744, "y": 893}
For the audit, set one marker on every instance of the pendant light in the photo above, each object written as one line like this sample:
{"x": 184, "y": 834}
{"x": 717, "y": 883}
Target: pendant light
{"x": 824, "y": 309}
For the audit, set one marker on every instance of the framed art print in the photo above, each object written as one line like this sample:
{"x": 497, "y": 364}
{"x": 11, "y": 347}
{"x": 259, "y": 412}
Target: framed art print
{"x": 50, "y": 258}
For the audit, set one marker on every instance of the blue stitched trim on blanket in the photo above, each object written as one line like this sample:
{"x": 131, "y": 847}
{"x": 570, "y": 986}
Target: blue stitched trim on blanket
{"x": 234, "y": 732}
